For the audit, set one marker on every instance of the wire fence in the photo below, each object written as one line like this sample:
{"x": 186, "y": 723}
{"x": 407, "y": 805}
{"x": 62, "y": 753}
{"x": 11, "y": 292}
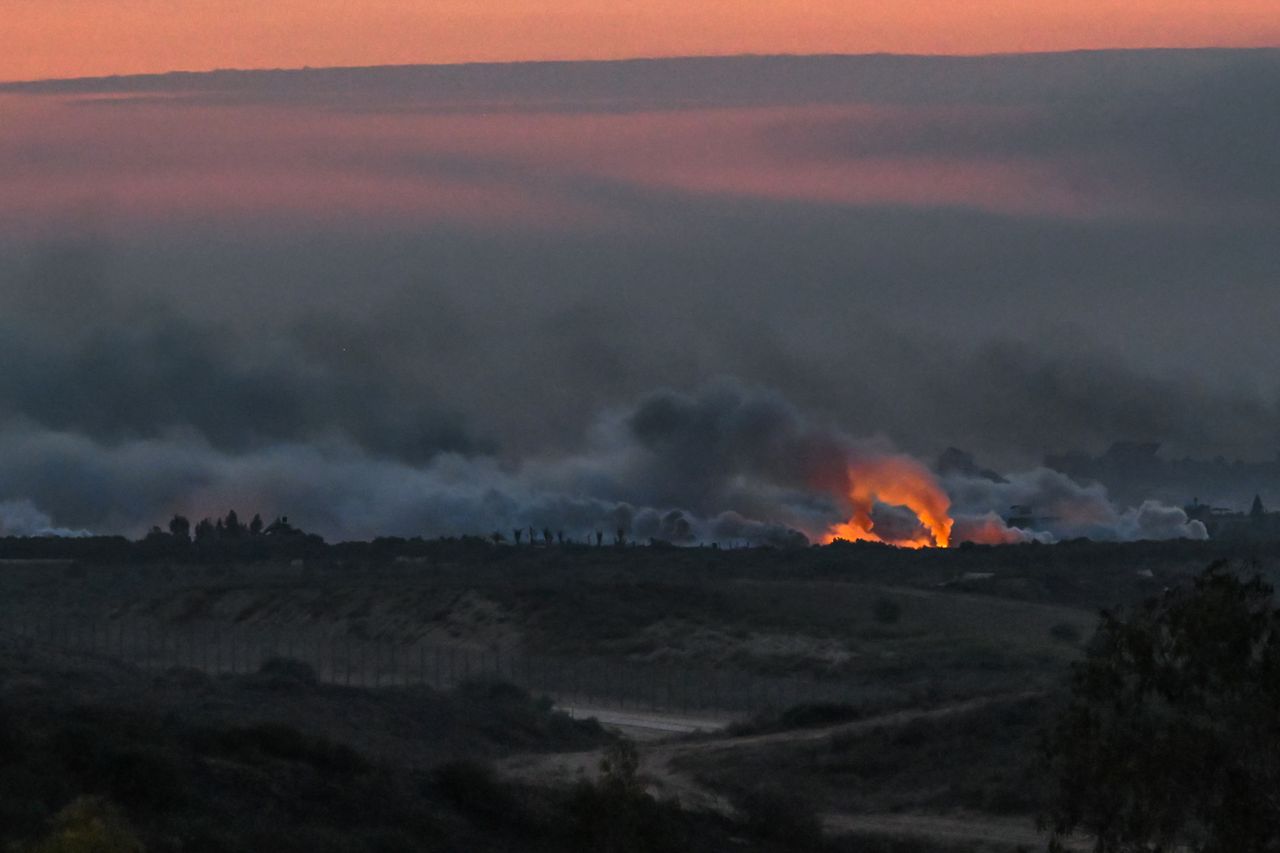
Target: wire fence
{"x": 604, "y": 683}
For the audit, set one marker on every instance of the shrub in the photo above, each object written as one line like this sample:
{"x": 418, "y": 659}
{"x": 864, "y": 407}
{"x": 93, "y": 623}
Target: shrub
{"x": 288, "y": 672}
{"x": 478, "y": 793}
{"x": 275, "y": 740}
{"x": 618, "y": 815}
{"x": 474, "y": 788}
{"x": 620, "y": 768}
{"x": 776, "y": 814}
{"x": 887, "y": 611}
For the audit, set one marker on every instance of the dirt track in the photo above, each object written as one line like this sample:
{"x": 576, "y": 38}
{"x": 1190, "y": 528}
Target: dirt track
{"x": 663, "y": 780}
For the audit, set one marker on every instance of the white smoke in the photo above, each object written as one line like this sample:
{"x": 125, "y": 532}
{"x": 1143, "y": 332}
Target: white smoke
{"x": 728, "y": 463}
{"x": 24, "y": 518}
{"x": 1055, "y": 507}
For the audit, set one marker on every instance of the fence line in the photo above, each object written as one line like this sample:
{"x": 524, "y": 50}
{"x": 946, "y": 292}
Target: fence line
{"x": 221, "y": 649}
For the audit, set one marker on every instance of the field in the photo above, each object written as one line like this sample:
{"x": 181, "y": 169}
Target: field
{"x": 857, "y": 697}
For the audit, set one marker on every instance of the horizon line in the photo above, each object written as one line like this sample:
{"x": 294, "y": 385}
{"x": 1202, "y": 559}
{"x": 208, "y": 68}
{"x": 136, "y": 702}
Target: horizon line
{"x": 30, "y": 82}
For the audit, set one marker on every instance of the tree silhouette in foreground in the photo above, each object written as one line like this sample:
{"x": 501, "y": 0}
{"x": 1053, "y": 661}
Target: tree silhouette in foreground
{"x": 1172, "y": 736}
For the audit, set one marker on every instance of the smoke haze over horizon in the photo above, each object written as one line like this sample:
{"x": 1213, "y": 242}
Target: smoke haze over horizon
{"x": 456, "y": 300}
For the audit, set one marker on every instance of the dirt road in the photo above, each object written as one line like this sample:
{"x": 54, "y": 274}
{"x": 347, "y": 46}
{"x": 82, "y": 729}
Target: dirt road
{"x": 663, "y": 780}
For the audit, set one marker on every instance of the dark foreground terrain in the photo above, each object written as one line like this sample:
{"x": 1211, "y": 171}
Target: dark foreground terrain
{"x": 942, "y": 668}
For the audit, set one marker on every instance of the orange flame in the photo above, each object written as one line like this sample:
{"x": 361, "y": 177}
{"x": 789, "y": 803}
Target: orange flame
{"x": 899, "y": 481}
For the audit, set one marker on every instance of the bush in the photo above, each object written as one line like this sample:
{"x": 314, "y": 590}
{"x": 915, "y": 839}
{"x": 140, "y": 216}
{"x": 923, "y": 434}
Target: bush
{"x": 475, "y": 789}
{"x": 617, "y": 815}
{"x": 777, "y": 814}
{"x": 887, "y": 611}
{"x": 274, "y": 740}
{"x": 287, "y": 672}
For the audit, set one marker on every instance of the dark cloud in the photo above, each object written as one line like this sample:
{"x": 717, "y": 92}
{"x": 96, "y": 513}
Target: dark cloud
{"x": 115, "y": 366}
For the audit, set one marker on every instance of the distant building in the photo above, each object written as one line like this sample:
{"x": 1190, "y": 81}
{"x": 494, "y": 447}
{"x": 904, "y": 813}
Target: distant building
{"x": 1135, "y": 471}
{"x": 1256, "y": 524}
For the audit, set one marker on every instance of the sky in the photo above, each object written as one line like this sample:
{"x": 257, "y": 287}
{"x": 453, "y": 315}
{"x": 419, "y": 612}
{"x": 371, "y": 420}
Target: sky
{"x": 684, "y": 296}
{"x": 72, "y": 38}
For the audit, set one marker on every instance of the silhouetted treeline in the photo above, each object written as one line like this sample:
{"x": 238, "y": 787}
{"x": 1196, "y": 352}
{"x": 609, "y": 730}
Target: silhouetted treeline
{"x": 225, "y": 539}
{"x": 229, "y": 539}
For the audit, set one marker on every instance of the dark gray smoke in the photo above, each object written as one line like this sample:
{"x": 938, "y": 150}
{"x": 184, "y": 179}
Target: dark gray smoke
{"x": 468, "y": 368}
{"x": 726, "y": 464}
{"x": 1056, "y": 507}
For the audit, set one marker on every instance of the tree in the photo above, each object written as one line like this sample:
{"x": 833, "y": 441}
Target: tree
{"x": 1171, "y": 739}
{"x": 204, "y": 530}
{"x": 180, "y": 528}
{"x": 232, "y": 526}
{"x": 517, "y": 533}
{"x": 255, "y": 525}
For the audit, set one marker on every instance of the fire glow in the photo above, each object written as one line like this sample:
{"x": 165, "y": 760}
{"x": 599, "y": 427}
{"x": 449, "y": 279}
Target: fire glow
{"x": 897, "y": 481}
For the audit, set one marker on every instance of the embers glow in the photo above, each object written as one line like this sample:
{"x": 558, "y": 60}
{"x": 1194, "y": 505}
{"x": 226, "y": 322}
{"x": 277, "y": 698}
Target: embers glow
{"x": 896, "y": 481}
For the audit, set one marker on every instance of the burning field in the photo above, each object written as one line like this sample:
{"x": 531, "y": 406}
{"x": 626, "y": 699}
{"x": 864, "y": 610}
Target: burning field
{"x": 897, "y": 500}
{"x": 897, "y": 481}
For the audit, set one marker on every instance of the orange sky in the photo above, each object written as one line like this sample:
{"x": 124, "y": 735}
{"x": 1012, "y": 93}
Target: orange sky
{"x": 66, "y": 38}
